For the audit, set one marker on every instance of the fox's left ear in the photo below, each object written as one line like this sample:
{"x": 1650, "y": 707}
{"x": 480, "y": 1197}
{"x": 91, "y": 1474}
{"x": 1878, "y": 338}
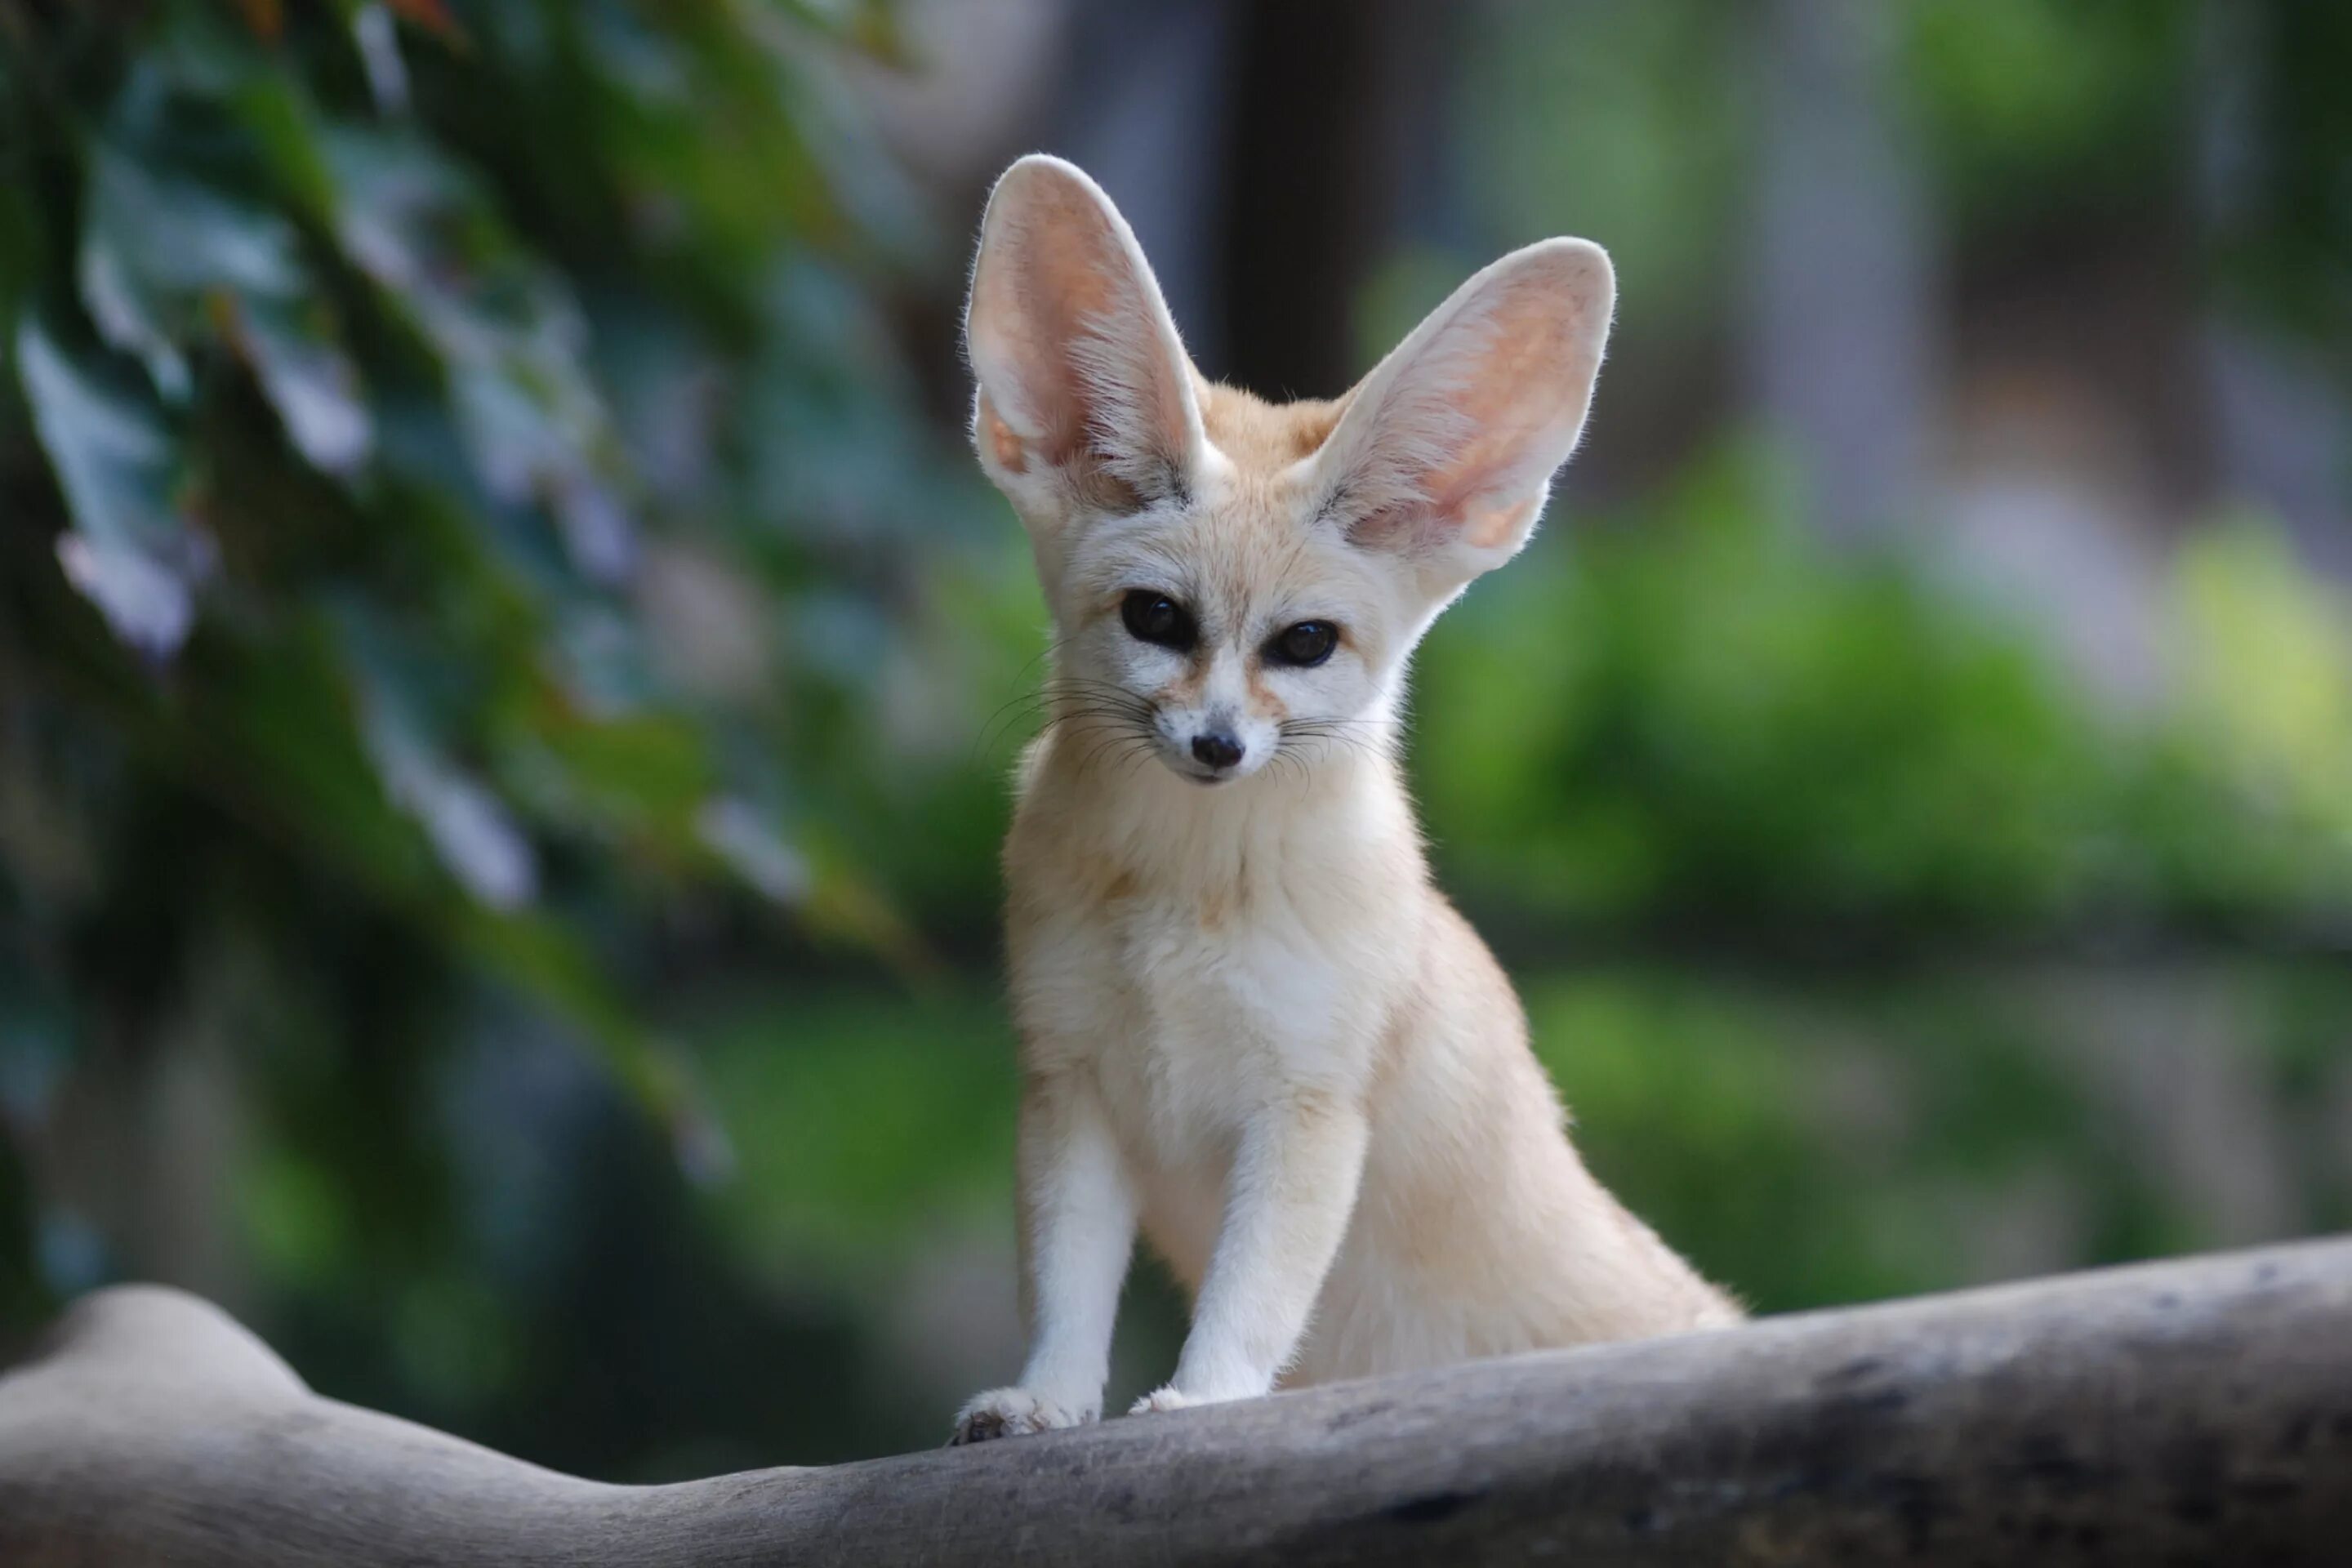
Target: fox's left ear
{"x": 1445, "y": 454}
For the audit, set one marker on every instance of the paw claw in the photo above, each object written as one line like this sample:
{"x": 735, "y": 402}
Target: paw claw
{"x": 1160, "y": 1399}
{"x": 1010, "y": 1412}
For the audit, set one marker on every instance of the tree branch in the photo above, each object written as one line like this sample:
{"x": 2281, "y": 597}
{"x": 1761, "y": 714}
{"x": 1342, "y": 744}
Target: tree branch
{"x": 2196, "y": 1410}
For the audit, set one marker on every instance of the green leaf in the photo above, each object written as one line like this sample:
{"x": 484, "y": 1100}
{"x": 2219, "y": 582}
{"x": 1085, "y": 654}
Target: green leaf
{"x": 167, "y": 263}
{"x": 741, "y": 835}
{"x": 405, "y": 725}
{"x": 131, "y": 552}
{"x": 470, "y": 828}
{"x": 310, "y": 381}
{"x": 510, "y": 338}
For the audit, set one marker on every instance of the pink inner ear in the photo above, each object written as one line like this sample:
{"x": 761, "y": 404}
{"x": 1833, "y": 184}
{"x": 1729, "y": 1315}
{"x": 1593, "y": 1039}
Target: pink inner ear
{"x": 1466, "y": 435}
{"x": 1067, "y": 309}
{"x": 1492, "y": 528}
{"x": 1065, "y": 282}
{"x": 1515, "y": 390}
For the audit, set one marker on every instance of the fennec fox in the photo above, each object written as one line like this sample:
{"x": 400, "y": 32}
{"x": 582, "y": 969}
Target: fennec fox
{"x": 1251, "y": 1025}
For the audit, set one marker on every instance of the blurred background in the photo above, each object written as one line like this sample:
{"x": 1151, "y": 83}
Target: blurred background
{"x": 504, "y": 658}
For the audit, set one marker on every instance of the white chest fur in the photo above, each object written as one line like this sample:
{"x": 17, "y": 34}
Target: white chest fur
{"x": 1202, "y": 963}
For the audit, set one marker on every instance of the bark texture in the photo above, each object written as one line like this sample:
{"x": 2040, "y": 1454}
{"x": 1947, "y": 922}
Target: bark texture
{"x": 2198, "y": 1411}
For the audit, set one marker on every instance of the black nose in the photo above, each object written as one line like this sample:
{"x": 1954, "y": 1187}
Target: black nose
{"x": 1217, "y": 749}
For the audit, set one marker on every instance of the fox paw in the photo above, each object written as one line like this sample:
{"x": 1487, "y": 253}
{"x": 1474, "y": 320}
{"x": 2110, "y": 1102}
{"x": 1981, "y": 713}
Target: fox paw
{"x": 1010, "y": 1412}
{"x": 1161, "y": 1399}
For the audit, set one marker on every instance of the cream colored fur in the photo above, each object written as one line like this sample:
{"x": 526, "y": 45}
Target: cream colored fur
{"x": 1252, "y": 1027}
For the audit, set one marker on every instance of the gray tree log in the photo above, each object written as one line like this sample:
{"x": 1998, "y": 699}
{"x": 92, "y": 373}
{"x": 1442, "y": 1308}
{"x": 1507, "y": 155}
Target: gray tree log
{"x": 2190, "y": 1412}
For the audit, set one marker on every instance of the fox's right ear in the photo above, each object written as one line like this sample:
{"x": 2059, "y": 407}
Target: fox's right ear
{"x": 1085, "y": 394}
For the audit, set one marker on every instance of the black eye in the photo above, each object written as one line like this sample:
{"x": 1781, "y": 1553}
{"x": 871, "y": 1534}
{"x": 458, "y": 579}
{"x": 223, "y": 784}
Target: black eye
{"x": 1308, "y": 644}
{"x": 1157, "y": 618}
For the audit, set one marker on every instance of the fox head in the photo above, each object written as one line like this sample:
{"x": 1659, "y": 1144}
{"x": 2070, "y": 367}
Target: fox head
{"x": 1233, "y": 582}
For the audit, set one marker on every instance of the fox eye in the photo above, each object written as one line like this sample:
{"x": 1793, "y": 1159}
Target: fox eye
{"x": 1158, "y": 620}
{"x": 1306, "y": 645}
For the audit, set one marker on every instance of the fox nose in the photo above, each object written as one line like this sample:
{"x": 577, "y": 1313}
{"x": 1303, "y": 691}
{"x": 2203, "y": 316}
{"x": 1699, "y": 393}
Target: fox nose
{"x": 1217, "y": 749}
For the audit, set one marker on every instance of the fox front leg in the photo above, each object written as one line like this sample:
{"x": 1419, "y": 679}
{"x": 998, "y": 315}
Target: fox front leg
{"x": 1078, "y": 1231}
{"x": 1286, "y": 1206}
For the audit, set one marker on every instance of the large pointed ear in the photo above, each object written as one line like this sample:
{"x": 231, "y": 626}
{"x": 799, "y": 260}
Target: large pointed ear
{"x": 1085, "y": 394}
{"x": 1445, "y": 454}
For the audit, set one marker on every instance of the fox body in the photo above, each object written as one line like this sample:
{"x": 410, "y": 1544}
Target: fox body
{"x": 1252, "y": 1027}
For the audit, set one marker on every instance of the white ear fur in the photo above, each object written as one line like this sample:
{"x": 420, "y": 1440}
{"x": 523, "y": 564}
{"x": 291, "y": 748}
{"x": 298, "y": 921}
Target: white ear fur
{"x": 1085, "y": 393}
{"x": 1447, "y": 451}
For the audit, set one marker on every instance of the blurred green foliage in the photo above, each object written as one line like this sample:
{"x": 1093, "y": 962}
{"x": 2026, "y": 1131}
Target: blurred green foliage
{"x": 1694, "y": 713}
{"x": 460, "y": 495}
{"x": 505, "y": 698}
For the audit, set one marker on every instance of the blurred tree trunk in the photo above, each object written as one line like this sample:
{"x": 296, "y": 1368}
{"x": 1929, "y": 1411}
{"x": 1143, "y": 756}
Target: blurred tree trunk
{"x": 1144, "y": 112}
{"x": 1264, "y": 153}
{"x": 2280, "y": 420}
{"x": 1337, "y": 106}
{"x": 1841, "y": 303}
{"x": 144, "y": 1149}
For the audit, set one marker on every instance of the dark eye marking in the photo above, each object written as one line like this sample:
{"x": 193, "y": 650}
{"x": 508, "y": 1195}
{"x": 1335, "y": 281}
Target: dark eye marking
{"x": 1155, "y": 619}
{"x": 1304, "y": 646}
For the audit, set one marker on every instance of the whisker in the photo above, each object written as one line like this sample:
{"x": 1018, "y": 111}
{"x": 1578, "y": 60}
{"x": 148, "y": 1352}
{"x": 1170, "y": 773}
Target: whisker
{"x": 1066, "y": 700}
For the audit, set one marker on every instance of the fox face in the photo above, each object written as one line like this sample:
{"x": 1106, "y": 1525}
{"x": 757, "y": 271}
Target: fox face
{"x": 1226, "y": 633}
{"x": 1234, "y": 585}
